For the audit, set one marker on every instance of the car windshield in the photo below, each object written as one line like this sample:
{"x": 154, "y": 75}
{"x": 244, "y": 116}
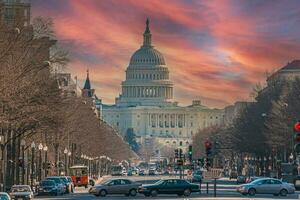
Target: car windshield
{"x": 65, "y": 180}
{"x": 20, "y": 189}
{"x": 48, "y": 183}
{"x": 159, "y": 182}
{"x": 57, "y": 180}
{"x": 258, "y": 181}
{"x": 3, "y": 197}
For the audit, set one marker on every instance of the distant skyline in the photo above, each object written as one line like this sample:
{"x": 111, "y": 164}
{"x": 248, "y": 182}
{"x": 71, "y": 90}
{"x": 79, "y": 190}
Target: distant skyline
{"x": 215, "y": 50}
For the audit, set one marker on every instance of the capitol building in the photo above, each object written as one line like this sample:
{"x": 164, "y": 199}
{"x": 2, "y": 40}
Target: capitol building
{"x": 146, "y": 107}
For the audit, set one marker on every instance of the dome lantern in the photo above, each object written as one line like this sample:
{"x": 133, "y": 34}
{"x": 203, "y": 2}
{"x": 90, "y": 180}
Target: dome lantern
{"x": 147, "y": 35}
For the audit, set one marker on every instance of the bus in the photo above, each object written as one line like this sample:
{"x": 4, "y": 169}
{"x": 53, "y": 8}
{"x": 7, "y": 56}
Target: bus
{"x": 79, "y": 175}
{"x": 116, "y": 170}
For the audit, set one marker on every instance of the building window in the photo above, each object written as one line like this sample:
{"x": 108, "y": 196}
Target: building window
{"x": 191, "y": 124}
{"x": 161, "y": 122}
{"x": 180, "y": 133}
{"x": 180, "y": 121}
{"x": 192, "y": 133}
{"x": 180, "y": 143}
{"x": 172, "y": 120}
{"x": 117, "y": 123}
{"x": 153, "y": 120}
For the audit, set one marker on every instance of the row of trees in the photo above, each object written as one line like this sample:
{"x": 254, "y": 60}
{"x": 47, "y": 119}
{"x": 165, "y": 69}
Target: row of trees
{"x": 264, "y": 128}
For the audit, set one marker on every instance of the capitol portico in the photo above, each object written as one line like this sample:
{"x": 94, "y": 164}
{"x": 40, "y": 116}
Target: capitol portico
{"x": 145, "y": 104}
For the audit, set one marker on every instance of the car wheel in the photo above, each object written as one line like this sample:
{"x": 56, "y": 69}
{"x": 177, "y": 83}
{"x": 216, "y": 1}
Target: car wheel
{"x": 132, "y": 192}
{"x": 187, "y": 192}
{"x": 153, "y": 193}
{"x": 251, "y": 191}
{"x": 103, "y": 193}
{"x": 283, "y": 192}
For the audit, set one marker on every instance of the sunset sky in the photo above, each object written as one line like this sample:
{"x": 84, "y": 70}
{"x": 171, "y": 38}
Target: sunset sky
{"x": 215, "y": 50}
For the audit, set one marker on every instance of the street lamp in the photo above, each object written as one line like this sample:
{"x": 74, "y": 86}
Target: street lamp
{"x": 66, "y": 152}
{"x": 46, "y": 160}
{"x": 40, "y": 147}
{"x": 32, "y": 163}
{"x": 23, "y": 143}
{"x": 69, "y": 159}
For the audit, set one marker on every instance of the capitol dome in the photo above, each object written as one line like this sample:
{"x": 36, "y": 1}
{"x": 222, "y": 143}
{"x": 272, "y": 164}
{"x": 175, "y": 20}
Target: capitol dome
{"x": 147, "y": 77}
{"x": 147, "y": 55}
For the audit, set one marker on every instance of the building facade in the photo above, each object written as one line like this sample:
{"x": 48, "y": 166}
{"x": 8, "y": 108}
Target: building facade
{"x": 145, "y": 103}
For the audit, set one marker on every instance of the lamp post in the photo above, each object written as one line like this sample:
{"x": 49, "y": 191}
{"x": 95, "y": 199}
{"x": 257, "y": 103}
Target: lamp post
{"x": 66, "y": 152}
{"x": 23, "y": 143}
{"x": 2, "y": 144}
{"x": 46, "y": 160}
{"x": 40, "y": 161}
{"x": 32, "y": 163}
{"x": 69, "y": 159}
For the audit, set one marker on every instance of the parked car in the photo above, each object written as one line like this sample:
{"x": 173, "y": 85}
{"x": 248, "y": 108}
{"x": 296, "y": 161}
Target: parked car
{"x": 48, "y": 187}
{"x": 241, "y": 179}
{"x": 197, "y": 176}
{"x": 60, "y": 184}
{"x": 233, "y": 174}
{"x": 142, "y": 172}
{"x": 4, "y": 196}
{"x": 69, "y": 185}
{"x": 116, "y": 186}
{"x": 267, "y": 186}
{"x": 151, "y": 172}
{"x": 169, "y": 186}
{"x": 21, "y": 192}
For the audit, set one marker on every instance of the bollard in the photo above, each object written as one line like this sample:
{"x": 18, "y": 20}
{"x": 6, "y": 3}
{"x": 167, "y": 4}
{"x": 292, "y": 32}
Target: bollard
{"x": 215, "y": 187}
{"x": 207, "y": 188}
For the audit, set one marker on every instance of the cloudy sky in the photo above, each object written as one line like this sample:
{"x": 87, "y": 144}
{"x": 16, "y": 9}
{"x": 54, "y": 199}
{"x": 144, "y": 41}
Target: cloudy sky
{"x": 215, "y": 50}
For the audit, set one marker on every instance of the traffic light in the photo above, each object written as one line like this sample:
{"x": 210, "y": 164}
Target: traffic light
{"x": 208, "y": 147}
{"x": 190, "y": 153}
{"x": 297, "y": 137}
{"x": 176, "y": 153}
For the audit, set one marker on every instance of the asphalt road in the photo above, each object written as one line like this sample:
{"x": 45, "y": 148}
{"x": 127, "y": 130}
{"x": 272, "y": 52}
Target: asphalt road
{"x": 225, "y": 190}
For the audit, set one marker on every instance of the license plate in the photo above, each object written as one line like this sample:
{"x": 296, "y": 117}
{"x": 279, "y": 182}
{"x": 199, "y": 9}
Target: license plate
{"x": 20, "y": 198}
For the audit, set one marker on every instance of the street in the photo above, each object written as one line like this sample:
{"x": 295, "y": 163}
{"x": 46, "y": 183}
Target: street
{"x": 225, "y": 190}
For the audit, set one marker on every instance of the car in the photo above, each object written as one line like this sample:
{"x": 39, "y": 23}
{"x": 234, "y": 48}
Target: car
{"x": 233, "y": 174}
{"x": 241, "y": 179}
{"x": 197, "y": 176}
{"x": 60, "y": 184}
{"x": 48, "y": 187}
{"x": 23, "y": 192}
{"x": 142, "y": 172}
{"x": 169, "y": 186}
{"x": 4, "y": 196}
{"x": 116, "y": 186}
{"x": 151, "y": 172}
{"x": 267, "y": 186}
{"x": 69, "y": 185}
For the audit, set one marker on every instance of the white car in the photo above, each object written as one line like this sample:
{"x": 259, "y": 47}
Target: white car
{"x": 21, "y": 192}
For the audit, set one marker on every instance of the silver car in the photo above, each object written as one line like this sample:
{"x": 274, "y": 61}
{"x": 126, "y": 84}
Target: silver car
{"x": 267, "y": 186}
{"x": 115, "y": 186}
{"x": 21, "y": 192}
